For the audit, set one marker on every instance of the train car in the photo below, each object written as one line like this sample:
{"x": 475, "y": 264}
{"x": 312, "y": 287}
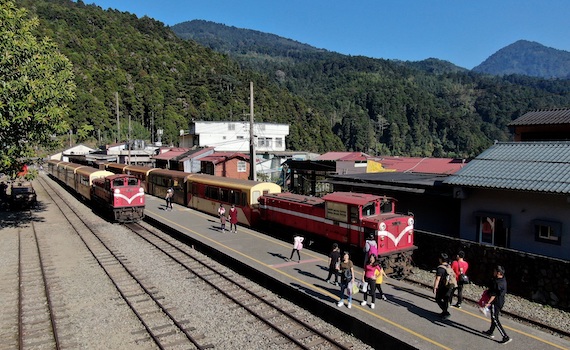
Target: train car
{"x": 60, "y": 172}
{"x": 160, "y": 180}
{"x": 347, "y": 218}
{"x": 115, "y": 168}
{"x": 70, "y": 171}
{"x": 120, "y": 196}
{"x": 84, "y": 180}
{"x": 206, "y": 192}
{"x": 140, "y": 172}
{"x": 52, "y": 166}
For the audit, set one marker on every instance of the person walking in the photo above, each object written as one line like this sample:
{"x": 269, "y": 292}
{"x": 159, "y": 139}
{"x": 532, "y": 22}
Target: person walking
{"x": 371, "y": 272}
{"x": 370, "y": 247}
{"x": 459, "y": 266}
{"x": 169, "y": 195}
{"x": 440, "y": 288}
{"x": 233, "y": 219}
{"x": 379, "y": 279}
{"x": 334, "y": 264}
{"x": 497, "y": 292}
{"x": 346, "y": 279}
{"x": 297, "y": 246}
{"x": 222, "y": 215}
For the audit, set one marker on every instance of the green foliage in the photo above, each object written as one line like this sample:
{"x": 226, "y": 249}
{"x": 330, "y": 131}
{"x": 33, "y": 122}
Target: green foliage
{"x": 35, "y": 90}
{"x": 427, "y": 108}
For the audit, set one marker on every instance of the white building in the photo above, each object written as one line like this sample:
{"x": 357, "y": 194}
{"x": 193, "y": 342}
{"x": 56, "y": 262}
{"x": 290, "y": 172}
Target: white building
{"x": 235, "y": 136}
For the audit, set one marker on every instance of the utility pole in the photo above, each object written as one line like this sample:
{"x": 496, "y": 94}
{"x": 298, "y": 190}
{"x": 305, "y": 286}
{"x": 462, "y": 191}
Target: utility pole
{"x": 252, "y": 172}
{"x": 117, "y": 112}
{"x": 129, "y": 140}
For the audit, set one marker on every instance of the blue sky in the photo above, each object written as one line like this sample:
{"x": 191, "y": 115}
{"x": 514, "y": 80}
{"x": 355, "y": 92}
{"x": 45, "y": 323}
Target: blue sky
{"x": 464, "y": 32}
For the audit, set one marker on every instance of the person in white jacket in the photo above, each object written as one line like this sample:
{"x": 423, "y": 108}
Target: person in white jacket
{"x": 297, "y": 246}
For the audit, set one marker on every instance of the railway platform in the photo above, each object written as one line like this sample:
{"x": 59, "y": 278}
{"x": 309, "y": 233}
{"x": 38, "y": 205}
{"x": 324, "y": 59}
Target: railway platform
{"x": 409, "y": 318}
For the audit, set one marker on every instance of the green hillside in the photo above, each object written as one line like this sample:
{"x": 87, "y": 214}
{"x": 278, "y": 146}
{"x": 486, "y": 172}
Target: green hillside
{"x": 428, "y": 108}
{"x": 331, "y": 101}
{"x": 162, "y": 81}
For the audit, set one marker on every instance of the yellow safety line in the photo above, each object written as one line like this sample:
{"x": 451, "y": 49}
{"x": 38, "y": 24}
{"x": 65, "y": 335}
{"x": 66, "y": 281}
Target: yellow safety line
{"x": 264, "y": 237}
{"x": 303, "y": 282}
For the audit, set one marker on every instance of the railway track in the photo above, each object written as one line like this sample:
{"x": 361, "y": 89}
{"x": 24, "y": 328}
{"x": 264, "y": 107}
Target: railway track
{"x": 289, "y": 329}
{"x": 37, "y": 325}
{"x": 161, "y": 327}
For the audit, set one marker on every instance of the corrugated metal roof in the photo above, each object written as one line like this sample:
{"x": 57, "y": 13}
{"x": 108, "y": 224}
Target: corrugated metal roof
{"x": 556, "y": 116}
{"x": 343, "y": 156}
{"x": 524, "y": 166}
{"x": 422, "y": 165}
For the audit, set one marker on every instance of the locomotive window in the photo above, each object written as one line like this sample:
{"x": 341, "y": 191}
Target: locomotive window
{"x": 386, "y": 207}
{"x": 369, "y": 209}
{"x": 118, "y": 182}
{"x": 354, "y": 214}
{"x": 235, "y": 197}
{"x": 133, "y": 182}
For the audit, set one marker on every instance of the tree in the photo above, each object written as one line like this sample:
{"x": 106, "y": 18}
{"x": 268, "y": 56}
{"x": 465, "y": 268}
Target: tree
{"x": 36, "y": 86}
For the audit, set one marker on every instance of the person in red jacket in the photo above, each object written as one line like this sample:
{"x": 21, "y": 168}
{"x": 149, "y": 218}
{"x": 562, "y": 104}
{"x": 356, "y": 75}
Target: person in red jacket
{"x": 233, "y": 219}
{"x": 459, "y": 266}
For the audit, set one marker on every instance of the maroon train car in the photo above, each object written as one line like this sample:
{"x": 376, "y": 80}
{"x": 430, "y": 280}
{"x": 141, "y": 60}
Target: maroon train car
{"x": 120, "y": 196}
{"x": 347, "y": 218}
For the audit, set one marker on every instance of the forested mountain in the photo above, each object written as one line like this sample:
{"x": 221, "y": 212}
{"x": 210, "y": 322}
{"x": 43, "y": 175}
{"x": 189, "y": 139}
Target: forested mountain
{"x": 427, "y": 108}
{"x": 331, "y": 101}
{"x": 162, "y": 82}
{"x": 528, "y": 58}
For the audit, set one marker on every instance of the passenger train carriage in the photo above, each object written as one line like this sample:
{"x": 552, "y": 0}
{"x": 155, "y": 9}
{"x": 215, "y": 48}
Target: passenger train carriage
{"x": 206, "y": 192}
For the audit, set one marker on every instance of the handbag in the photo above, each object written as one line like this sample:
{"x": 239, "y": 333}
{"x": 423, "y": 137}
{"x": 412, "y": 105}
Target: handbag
{"x": 364, "y": 287}
{"x": 379, "y": 276}
{"x": 463, "y": 279}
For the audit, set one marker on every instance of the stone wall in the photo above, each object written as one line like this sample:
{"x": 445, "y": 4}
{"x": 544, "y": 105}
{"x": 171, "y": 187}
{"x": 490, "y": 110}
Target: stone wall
{"x": 538, "y": 278}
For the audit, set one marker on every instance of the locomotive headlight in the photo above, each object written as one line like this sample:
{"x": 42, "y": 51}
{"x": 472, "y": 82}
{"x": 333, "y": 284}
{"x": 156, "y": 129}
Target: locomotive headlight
{"x": 411, "y": 222}
{"x": 117, "y": 191}
{"x": 141, "y": 190}
{"x": 382, "y": 226}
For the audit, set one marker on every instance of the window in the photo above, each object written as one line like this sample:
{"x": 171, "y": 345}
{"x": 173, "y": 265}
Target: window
{"x": 493, "y": 228}
{"x": 241, "y": 166}
{"x": 278, "y": 142}
{"x": 231, "y": 127}
{"x": 546, "y": 231}
{"x": 369, "y": 209}
{"x": 262, "y": 142}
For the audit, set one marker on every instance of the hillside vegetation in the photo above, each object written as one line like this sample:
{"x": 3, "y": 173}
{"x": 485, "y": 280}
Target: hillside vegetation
{"x": 331, "y": 101}
{"x": 427, "y": 108}
{"x": 162, "y": 82}
{"x": 528, "y": 58}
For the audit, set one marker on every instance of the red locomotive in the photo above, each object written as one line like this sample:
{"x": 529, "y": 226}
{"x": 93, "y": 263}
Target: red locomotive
{"x": 347, "y": 218}
{"x": 120, "y": 196}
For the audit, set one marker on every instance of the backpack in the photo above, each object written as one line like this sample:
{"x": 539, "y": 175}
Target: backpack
{"x": 450, "y": 278}
{"x": 373, "y": 250}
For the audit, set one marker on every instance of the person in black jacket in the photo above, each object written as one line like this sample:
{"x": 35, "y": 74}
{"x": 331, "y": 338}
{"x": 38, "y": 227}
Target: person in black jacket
{"x": 497, "y": 291}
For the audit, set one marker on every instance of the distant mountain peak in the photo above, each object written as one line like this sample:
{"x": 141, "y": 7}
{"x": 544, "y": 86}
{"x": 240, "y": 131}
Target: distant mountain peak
{"x": 529, "y": 58}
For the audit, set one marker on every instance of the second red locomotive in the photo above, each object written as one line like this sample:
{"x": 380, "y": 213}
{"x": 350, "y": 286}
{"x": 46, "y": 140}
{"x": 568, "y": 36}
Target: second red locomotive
{"x": 347, "y": 218}
{"x": 121, "y": 196}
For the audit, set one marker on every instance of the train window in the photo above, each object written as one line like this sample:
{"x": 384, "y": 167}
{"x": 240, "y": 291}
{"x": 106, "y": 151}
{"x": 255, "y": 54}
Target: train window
{"x": 84, "y": 180}
{"x": 369, "y": 209}
{"x": 254, "y": 196}
{"x": 225, "y": 195}
{"x": 212, "y": 192}
{"x": 118, "y": 182}
{"x": 133, "y": 181}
